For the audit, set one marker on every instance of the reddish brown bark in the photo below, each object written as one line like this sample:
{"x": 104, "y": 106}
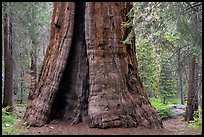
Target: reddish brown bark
{"x": 38, "y": 111}
{"x": 72, "y": 98}
{"x": 117, "y": 97}
{"x": 98, "y": 80}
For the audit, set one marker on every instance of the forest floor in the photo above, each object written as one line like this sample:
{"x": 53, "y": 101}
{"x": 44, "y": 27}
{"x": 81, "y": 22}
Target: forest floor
{"x": 174, "y": 126}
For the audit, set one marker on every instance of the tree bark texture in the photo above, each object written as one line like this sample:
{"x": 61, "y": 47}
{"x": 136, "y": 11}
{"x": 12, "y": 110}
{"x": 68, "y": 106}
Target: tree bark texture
{"x": 192, "y": 100}
{"x": 180, "y": 77}
{"x": 38, "y": 111}
{"x": 72, "y": 98}
{"x": 8, "y": 63}
{"x": 89, "y": 74}
{"x": 116, "y": 97}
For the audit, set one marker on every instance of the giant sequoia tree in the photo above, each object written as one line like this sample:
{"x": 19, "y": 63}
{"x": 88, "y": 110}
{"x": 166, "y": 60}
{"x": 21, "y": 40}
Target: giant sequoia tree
{"x": 88, "y": 73}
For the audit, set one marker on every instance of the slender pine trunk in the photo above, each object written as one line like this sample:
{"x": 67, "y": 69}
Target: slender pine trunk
{"x": 8, "y": 63}
{"x": 180, "y": 77}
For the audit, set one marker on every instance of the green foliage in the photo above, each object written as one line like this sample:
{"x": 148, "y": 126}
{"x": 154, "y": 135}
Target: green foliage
{"x": 167, "y": 81}
{"x": 19, "y": 110}
{"x": 128, "y": 40}
{"x": 147, "y": 66}
{"x": 163, "y": 109}
{"x": 156, "y": 102}
{"x": 164, "y": 27}
{"x": 189, "y": 29}
{"x": 197, "y": 123}
{"x": 129, "y": 24}
{"x": 174, "y": 101}
{"x": 31, "y": 24}
{"x": 8, "y": 121}
{"x": 154, "y": 37}
{"x": 165, "y": 112}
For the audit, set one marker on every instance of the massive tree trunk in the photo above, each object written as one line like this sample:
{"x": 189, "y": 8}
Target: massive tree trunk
{"x": 88, "y": 73}
{"x": 192, "y": 100}
{"x": 8, "y": 63}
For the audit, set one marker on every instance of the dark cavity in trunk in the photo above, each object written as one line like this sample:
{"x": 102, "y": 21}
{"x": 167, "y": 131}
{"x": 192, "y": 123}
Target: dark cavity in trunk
{"x": 71, "y": 101}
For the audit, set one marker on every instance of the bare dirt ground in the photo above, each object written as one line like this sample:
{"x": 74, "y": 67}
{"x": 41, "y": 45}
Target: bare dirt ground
{"x": 173, "y": 126}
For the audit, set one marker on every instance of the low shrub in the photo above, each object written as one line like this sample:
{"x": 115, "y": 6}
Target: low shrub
{"x": 8, "y": 121}
{"x": 197, "y": 123}
{"x": 163, "y": 109}
{"x": 165, "y": 112}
